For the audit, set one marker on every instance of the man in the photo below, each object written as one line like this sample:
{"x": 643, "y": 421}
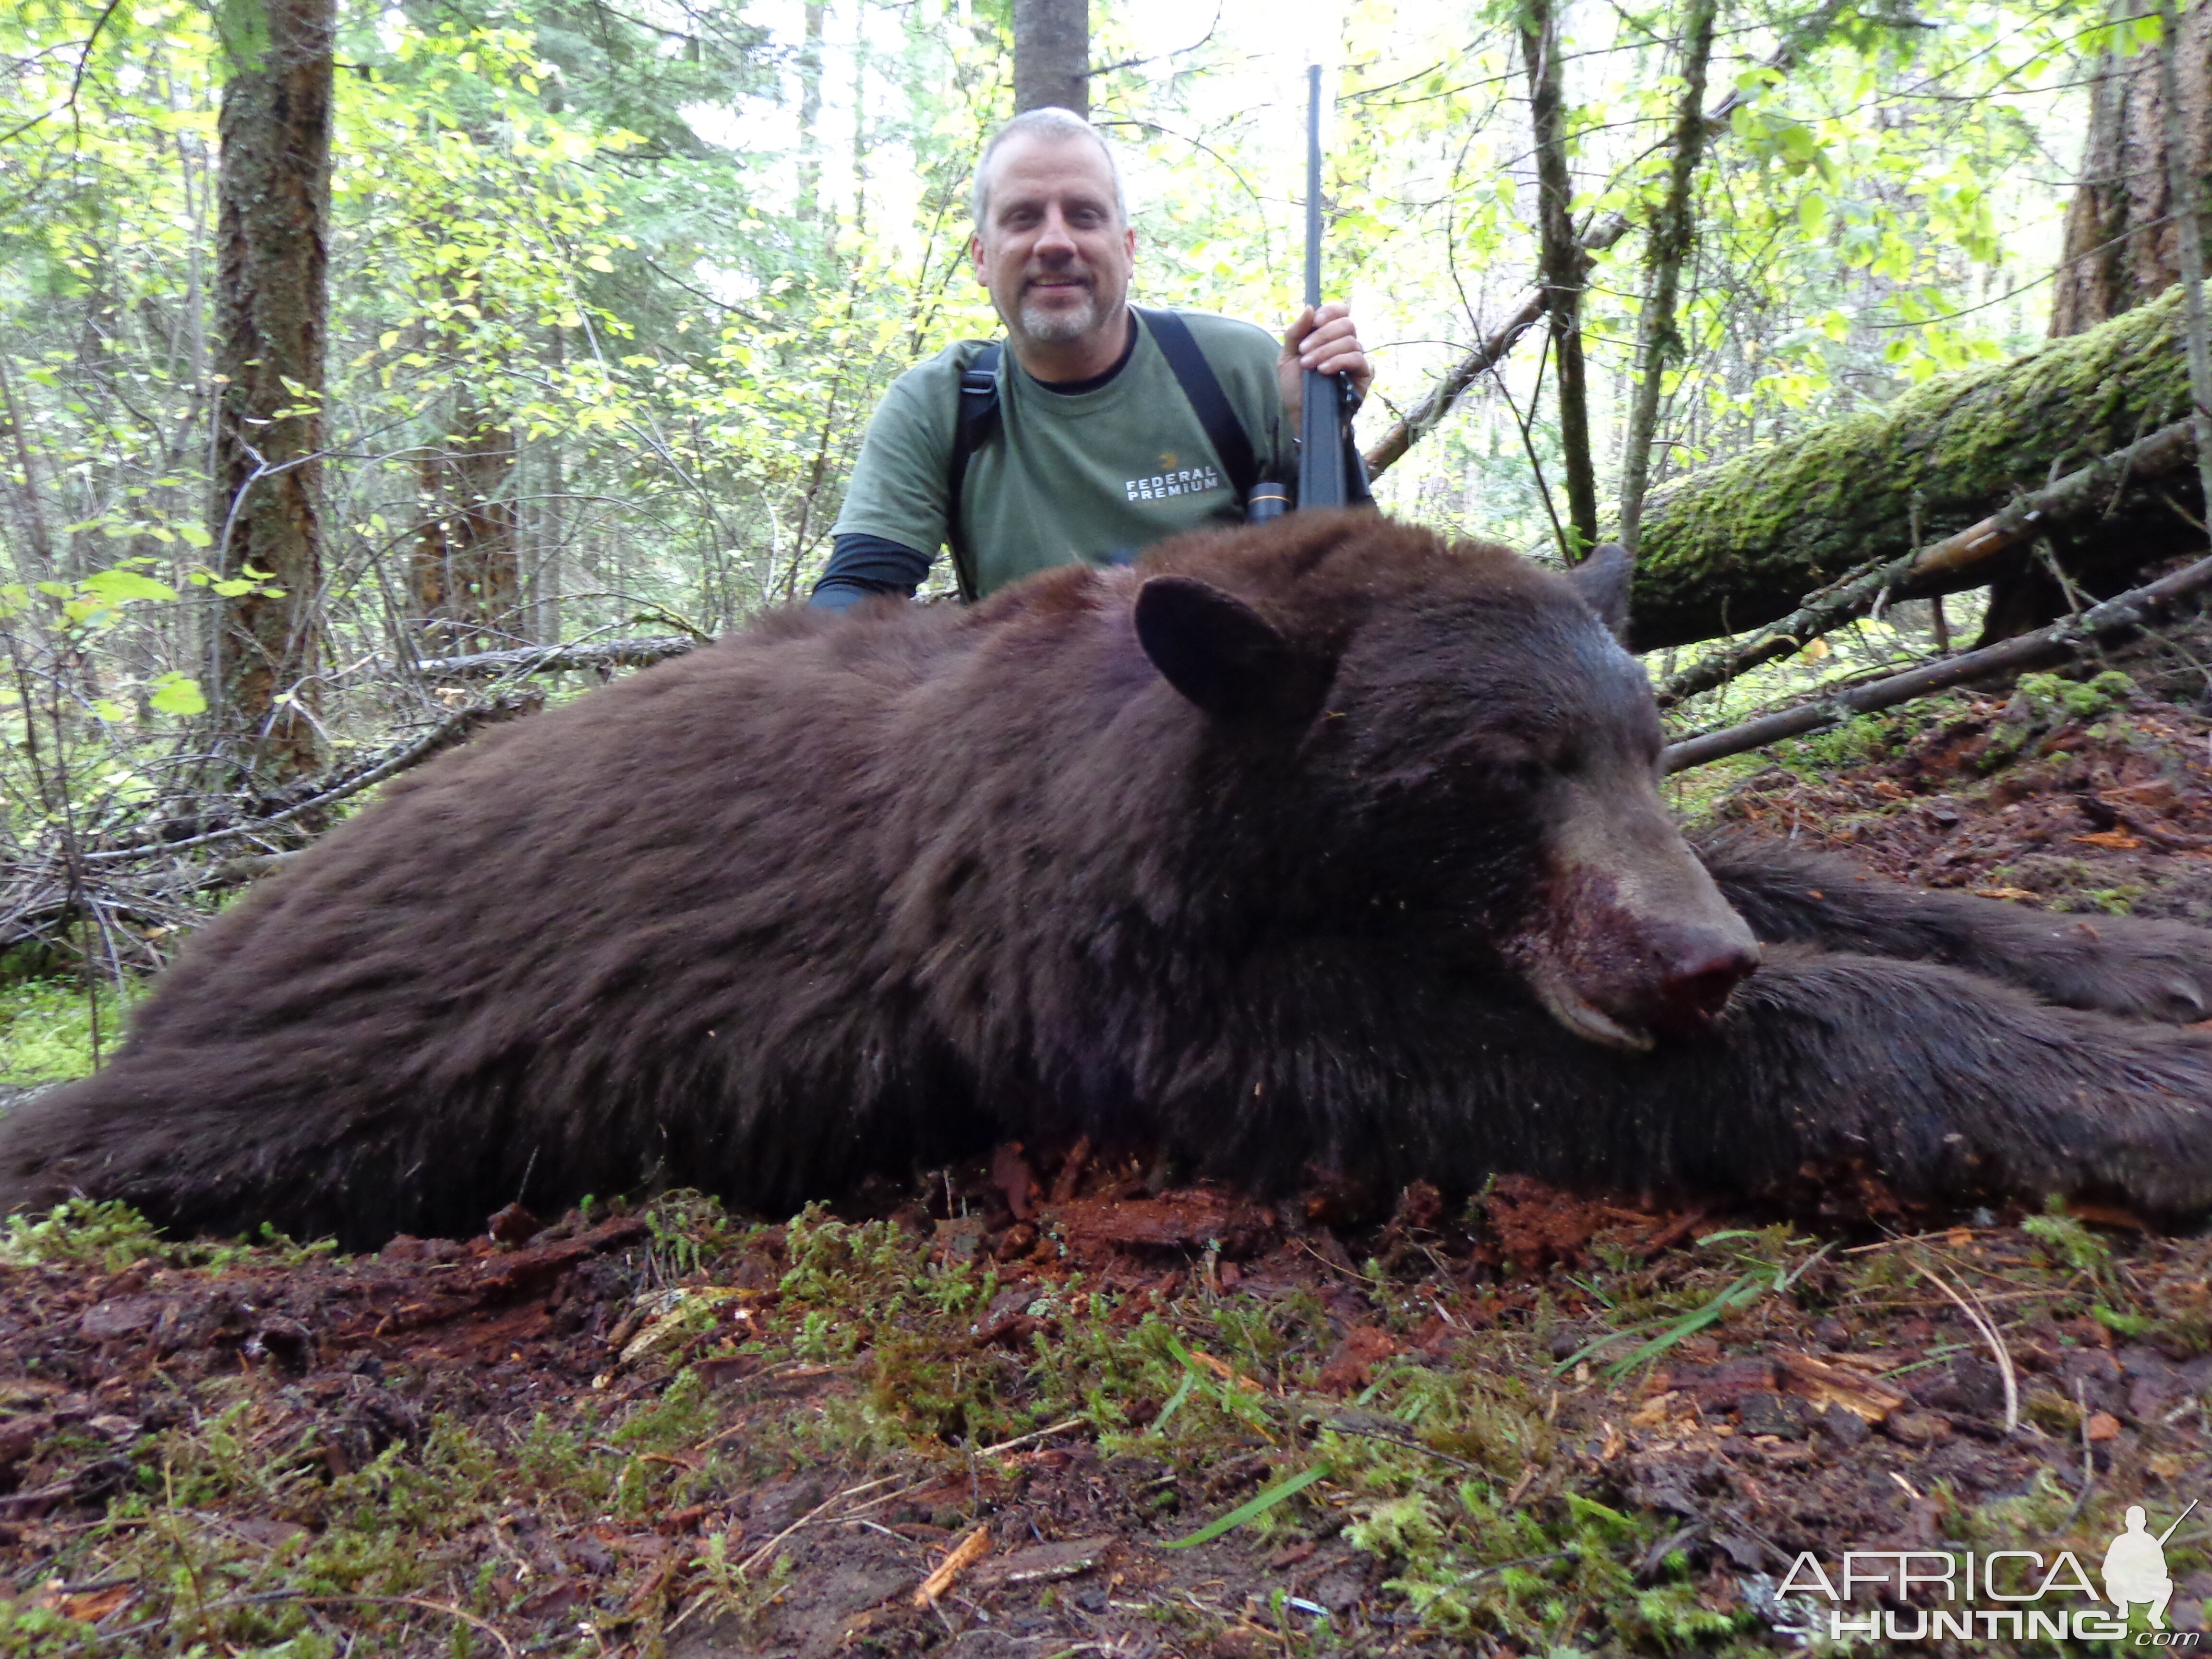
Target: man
{"x": 1097, "y": 449}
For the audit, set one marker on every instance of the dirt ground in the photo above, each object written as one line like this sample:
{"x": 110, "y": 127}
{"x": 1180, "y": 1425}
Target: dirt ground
{"x": 988, "y": 1415}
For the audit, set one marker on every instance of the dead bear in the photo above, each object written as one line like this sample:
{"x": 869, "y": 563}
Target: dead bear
{"x": 1322, "y": 844}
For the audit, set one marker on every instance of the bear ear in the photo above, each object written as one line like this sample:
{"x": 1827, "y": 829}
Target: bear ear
{"x": 1603, "y": 581}
{"x": 1224, "y": 656}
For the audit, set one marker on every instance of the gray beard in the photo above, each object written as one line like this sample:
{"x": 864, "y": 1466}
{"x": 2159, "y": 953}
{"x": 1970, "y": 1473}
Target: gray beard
{"x": 1042, "y": 323}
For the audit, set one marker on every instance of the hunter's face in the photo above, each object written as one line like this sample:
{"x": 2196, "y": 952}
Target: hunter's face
{"x": 1053, "y": 249}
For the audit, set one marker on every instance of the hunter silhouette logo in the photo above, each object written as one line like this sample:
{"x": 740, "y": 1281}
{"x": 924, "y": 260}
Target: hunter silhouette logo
{"x": 2036, "y": 1596}
{"x": 2135, "y": 1566}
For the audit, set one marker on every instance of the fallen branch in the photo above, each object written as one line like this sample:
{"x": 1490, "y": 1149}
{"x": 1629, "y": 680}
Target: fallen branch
{"x": 1449, "y": 391}
{"x": 42, "y": 895}
{"x": 1938, "y": 565}
{"x": 1479, "y": 360}
{"x": 457, "y": 727}
{"x": 641, "y": 653}
{"x": 2058, "y": 643}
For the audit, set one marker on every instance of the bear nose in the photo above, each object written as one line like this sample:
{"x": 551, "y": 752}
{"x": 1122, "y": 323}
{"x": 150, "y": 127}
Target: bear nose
{"x": 1698, "y": 972}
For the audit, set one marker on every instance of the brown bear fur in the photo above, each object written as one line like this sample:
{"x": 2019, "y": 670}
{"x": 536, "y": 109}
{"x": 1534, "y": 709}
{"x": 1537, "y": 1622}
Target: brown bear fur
{"x": 853, "y": 894}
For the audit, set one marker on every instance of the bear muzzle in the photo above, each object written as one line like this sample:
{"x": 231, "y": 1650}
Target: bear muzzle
{"x": 1681, "y": 986}
{"x": 1624, "y": 967}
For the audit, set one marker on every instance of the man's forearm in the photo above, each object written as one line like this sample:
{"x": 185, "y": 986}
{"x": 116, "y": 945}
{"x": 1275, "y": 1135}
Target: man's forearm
{"x": 861, "y": 566}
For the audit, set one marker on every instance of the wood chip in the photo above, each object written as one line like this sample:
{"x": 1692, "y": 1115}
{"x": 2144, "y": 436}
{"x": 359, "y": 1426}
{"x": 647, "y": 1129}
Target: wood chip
{"x": 1226, "y": 1372}
{"x": 1011, "y": 1175}
{"x": 87, "y": 1607}
{"x": 1831, "y": 1385}
{"x": 1071, "y": 1172}
{"x": 964, "y": 1555}
{"x": 1046, "y": 1563}
{"x": 2101, "y": 1425}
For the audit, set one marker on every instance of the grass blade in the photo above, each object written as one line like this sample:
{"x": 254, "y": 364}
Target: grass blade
{"x": 1259, "y": 1506}
{"x": 1742, "y": 1293}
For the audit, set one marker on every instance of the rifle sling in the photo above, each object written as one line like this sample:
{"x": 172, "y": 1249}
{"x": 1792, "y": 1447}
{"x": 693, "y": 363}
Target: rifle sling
{"x": 977, "y": 421}
{"x": 1208, "y": 400}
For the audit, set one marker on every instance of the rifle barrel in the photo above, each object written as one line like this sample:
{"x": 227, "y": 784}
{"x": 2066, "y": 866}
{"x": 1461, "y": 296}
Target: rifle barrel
{"x": 1313, "y": 184}
{"x": 1321, "y": 419}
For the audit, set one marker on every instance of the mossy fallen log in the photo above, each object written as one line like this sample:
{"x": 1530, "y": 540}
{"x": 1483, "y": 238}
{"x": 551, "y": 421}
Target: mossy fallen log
{"x": 1736, "y": 545}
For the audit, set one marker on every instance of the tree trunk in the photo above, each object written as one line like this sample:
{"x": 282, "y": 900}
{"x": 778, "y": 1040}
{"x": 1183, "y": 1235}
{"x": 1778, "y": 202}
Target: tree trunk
{"x": 2121, "y": 247}
{"x": 863, "y": 137}
{"x": 1564, "y": 268}
{"x": 1052, "y": 55}
{"x": 2184, "y": 170}
{"x": 550, "y": 546}
{"x": 1673, "y": 231}
{"x": 275, "y": 200}
{"x": 1736, "y": 545}
{"x": 464, "y": 581}
{"x": 810, "y": 114}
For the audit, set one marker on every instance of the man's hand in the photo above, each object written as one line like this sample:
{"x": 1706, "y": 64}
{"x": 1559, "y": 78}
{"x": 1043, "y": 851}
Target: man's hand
{"x": 1324, "y": 340}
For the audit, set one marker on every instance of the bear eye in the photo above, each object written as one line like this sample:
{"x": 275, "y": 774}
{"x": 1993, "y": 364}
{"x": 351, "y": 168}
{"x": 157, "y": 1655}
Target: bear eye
{"x": 1514, "y": 767}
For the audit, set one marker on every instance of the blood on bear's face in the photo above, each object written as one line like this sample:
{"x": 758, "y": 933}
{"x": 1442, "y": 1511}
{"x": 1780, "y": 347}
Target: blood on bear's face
{"x": 1490, "y": 759}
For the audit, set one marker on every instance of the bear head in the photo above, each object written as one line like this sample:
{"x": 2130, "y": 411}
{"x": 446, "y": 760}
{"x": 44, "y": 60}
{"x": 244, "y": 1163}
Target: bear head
{"x": 1449, "y": 742}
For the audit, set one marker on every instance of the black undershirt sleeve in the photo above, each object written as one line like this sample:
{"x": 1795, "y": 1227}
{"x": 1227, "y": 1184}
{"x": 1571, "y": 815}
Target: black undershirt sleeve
{"x": 860, "y": 566}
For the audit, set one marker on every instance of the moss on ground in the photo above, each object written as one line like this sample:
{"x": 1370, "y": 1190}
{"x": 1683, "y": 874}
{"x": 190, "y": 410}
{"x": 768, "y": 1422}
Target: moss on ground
{"x": 1433, "y": 1452}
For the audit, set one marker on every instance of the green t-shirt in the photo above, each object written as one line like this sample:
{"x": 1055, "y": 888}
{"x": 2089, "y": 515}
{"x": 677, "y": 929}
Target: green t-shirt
{"x": 1092, "y": 477}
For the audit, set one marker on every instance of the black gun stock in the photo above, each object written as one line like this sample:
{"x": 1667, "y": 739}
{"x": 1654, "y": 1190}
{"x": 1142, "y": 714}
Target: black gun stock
{"x": 1320, "y": 418}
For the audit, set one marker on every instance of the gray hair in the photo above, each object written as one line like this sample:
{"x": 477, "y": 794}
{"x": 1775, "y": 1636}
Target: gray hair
{"x": 1056, "y": 126}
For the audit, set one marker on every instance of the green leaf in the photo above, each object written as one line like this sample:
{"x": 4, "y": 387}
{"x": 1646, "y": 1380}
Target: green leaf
{"x": 121, "y": 587}
{"x": 1259, "y": 1506}
{"x": 178, "y": 693}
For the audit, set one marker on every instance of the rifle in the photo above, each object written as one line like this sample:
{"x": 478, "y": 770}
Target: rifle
{"x": 1320, "y": 416}
{"x": 1321, "y": 419}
